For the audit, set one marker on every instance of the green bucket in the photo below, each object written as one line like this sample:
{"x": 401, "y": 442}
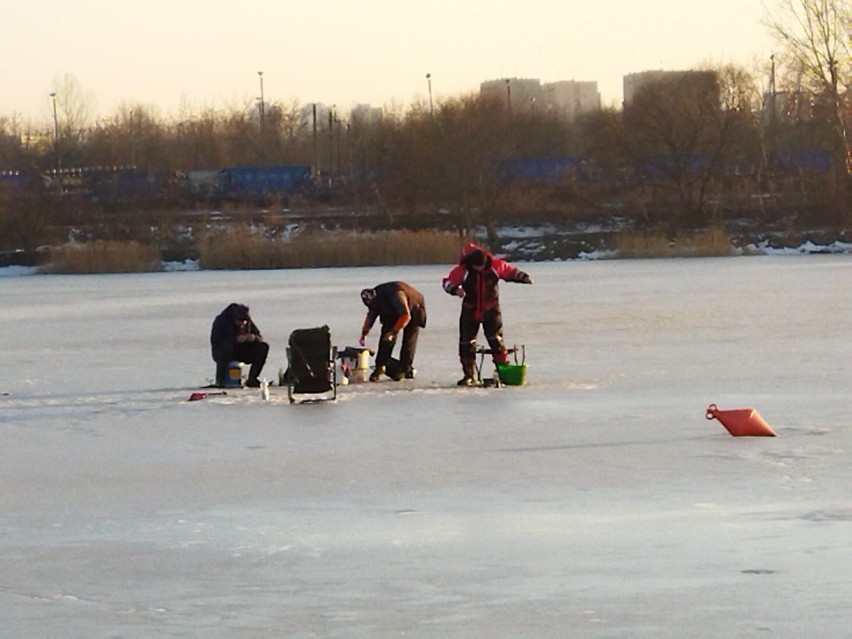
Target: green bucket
{"x": 512, "y": 374}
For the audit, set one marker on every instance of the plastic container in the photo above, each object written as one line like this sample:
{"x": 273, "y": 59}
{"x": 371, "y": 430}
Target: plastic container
{"x": 235, "y": 375}
{"x": 512, "y": 374}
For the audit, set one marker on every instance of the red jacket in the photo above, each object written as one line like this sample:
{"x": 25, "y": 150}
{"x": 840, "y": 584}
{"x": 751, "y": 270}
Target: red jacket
{"x": 480, "y": 285}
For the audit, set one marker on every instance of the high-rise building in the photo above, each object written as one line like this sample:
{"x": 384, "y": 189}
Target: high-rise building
{"x": 520, "y": 94}
{"x": 571, "y": 98}
{"x": 568, "y": 98}
{"x": 703, "y": 82}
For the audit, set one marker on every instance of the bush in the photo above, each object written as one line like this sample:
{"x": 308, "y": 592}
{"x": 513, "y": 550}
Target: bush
{"x": 103, "y": 256}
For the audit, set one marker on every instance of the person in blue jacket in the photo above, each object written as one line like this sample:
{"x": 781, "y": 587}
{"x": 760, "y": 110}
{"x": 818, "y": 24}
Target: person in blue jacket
{"x": 235, "y": 337}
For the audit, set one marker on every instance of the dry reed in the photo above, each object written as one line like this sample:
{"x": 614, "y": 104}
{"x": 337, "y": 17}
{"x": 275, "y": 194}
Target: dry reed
{"x": 712, "y": 242}
{"x": 244, "y": 248}
{"x": 103, "y": 256}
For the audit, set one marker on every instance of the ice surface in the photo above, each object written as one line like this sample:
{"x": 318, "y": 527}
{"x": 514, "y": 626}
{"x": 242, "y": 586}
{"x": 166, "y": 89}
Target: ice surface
{"x": 597, "y": 501}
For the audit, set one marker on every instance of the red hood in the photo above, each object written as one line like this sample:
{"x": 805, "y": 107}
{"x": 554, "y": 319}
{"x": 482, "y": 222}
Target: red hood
{"x": 470, "y": 247}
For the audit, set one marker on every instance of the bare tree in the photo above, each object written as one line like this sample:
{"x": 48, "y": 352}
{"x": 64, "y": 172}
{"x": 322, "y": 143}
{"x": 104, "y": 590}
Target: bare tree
{"x": 74, "y": 106}
{"x": 815, "y": 38}
{"x": 680, "y": 132}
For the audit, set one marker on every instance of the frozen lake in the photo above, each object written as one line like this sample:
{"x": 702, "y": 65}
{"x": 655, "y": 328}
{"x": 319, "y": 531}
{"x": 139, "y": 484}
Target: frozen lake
{"x": 597, "y": 501}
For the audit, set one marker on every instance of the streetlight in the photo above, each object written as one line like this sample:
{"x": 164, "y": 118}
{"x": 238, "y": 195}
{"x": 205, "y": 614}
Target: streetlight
{"x": 55, "y": 131}
{"x": 262, "y": 108}
{"x": 316, "y": 145}
{"x": 429, "y": 80}
{"x": 332, "y": 114}
{"x": 263, "y": 135}
{"x": 511, "y": 120}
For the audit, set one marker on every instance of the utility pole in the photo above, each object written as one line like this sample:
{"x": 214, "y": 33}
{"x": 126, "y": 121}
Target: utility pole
{"x": 55, "y": 133}
{"x": 316, "y": 145}
{"x": 773, "y": 111}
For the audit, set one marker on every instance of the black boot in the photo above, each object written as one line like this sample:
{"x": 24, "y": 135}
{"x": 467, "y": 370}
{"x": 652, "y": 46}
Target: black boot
{"x": 377, "y": 373}
{"x": 469, "y": 378}
{"x": 394, "y": 370}
{"x": 261, "y": 350}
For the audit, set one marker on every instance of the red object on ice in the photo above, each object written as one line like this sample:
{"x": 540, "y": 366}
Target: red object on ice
{"x": 199, "y": 395}
{"x": 741, "y": 422}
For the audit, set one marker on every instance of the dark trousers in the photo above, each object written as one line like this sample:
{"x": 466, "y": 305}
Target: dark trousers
{"x": 251, "y": 353}
{"x": 407, "y": 350}
{"x": 492, "y": 325}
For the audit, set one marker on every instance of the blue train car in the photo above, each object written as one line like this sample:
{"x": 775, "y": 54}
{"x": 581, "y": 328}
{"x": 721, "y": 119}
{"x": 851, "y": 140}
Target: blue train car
{"x": 123, "y": 185}
{"x": 259, "y": 182}
{"x": 22, "y": 182}
{"x": 543, "y": 170}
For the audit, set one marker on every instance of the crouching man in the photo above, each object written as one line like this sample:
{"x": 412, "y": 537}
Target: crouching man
{"x": 235, "y": 337}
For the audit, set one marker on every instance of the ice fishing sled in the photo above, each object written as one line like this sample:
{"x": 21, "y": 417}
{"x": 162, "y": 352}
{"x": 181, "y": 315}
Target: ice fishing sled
{"x": 311, "y": 362}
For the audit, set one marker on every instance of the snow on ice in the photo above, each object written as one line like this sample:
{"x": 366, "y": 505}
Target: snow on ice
{"x": 596, "y": 501}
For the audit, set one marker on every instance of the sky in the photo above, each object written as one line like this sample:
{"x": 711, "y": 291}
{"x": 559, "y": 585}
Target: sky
{"x": 182, "y": 56}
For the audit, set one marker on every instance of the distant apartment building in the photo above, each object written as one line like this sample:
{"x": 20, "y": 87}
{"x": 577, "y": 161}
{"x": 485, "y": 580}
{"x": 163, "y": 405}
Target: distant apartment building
{"x": 520, "y": 95}
{"x": 364, "y": 115}
{"x": 571, "y": 98}
{"x": 799, "y": 106}
{"x": 704, "y": 81}
{"x": 568, "y": 98}
{"x": 634, "y": 82}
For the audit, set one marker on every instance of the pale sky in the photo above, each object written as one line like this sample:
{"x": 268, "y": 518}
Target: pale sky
{"x": 169, "y": 54}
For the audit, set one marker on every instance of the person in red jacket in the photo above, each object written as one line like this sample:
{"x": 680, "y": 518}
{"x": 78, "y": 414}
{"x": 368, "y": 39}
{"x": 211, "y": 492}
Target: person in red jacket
{"x": 475, "y": 279}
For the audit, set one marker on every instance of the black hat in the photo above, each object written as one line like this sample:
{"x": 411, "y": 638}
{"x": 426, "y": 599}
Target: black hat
{"x": 368, "y": 295}
{"x": 476, "y": 258}
{"x": 241, "y": 312}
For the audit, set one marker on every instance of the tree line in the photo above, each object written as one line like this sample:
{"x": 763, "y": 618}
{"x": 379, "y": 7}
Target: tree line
{"x": 690, "y": 149}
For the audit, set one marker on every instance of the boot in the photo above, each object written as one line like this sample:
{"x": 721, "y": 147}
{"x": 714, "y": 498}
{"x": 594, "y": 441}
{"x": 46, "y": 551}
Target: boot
{"x": 394, "y": 370}
{"x": 377, "y": 373}
{"x": 469, "y": 378}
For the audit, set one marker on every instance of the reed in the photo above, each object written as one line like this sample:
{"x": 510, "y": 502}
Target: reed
{"x": 103, "y": 256}
{"x": 712, "y": 242}
{"x": 246, "y": 248}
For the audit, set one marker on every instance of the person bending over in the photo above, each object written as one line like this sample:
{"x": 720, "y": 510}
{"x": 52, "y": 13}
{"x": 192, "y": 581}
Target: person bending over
{"x": 400, "y": 307}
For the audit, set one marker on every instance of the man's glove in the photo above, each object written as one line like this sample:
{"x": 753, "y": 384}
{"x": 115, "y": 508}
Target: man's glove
{"x": 524, "y": 278}
{"x": 457, "y": 290}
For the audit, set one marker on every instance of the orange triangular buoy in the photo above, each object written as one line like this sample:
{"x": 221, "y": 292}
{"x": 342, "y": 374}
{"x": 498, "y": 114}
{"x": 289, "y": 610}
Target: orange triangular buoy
{"x": 741, "y": 422}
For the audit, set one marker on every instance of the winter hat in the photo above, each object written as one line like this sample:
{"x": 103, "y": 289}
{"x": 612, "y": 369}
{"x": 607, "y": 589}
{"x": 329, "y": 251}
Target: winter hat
{"x": 241, "y": 312}
{"x": 368, "y": 295}
{"x": 476, "y": 258}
